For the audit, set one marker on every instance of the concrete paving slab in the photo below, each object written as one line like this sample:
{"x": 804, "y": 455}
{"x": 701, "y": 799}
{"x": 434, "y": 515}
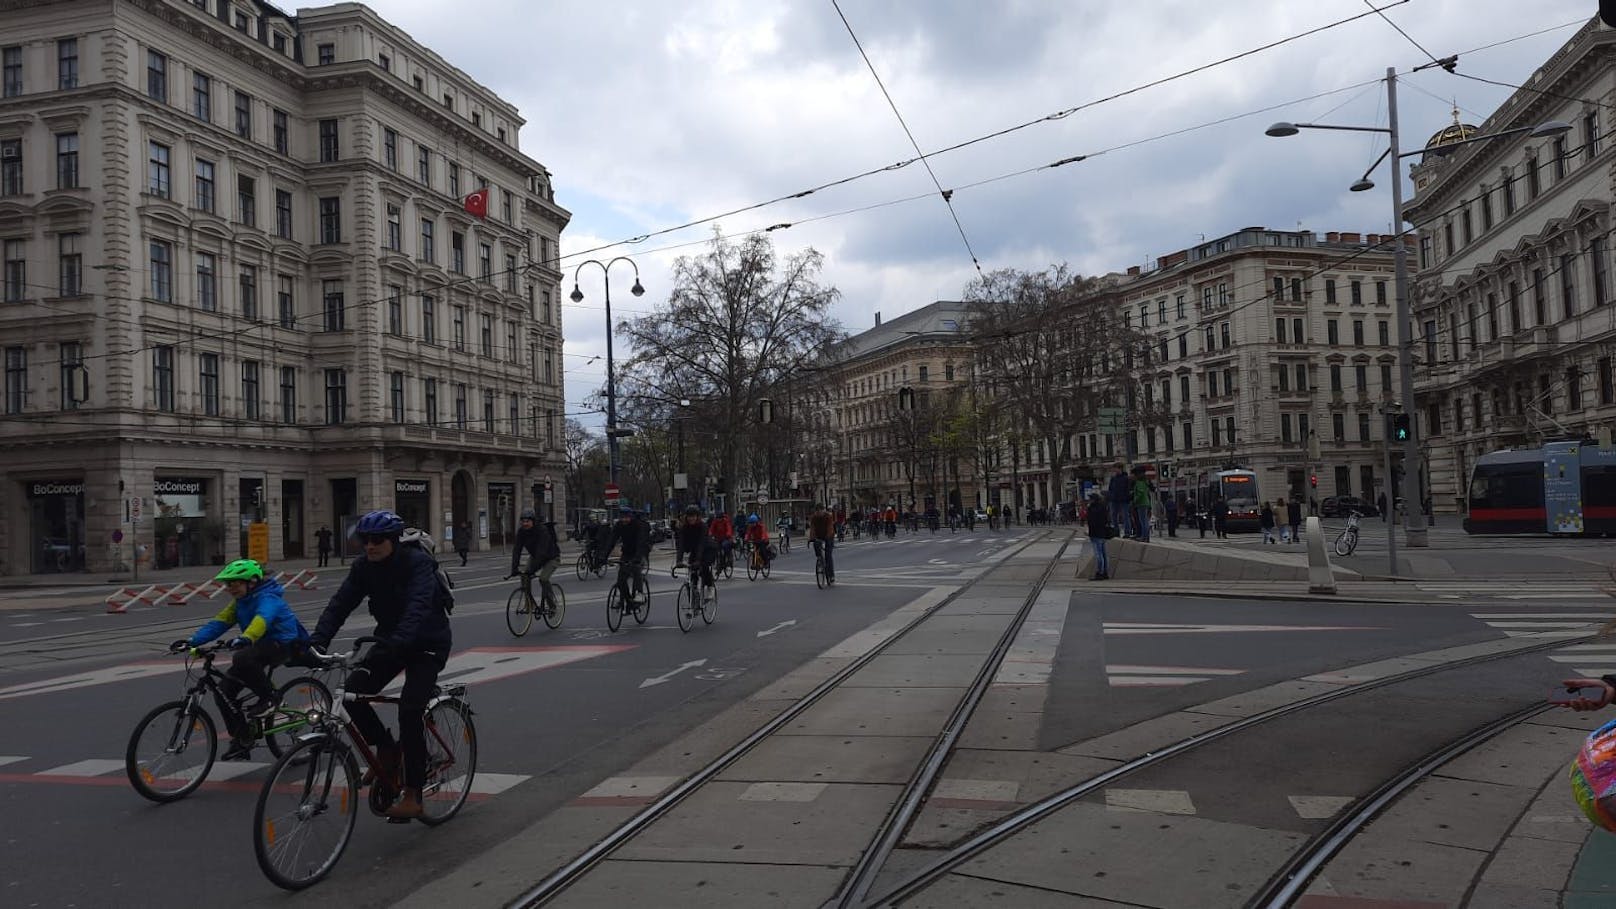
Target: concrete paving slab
{"x": 1503, "y": 896}
{"x": 638, "y": 787}
{"x": 960, "y": 634}
{"x": 1527, "y": 754}
{"x": 1095, "y": 852}
{"x": 912, "y": 670}
{"x": 1554, "y": 815}
{"x": 715, "y": 825}
{"x": 1037, "y": 773}
{"x": 953, "y": 788}
{"x": 1016, "y": 730}
{"x": 1463, "y": 813}
{"x": 959, "y": 891}
{"x": 1009, "y": 604}
{"x": 782, "y": 792}
{"x": 1160, "y": 801}
{"x": 1531, "y": 864}
{"x": 831, "y": 759}
{"x": 1570, "y": 719}
{"x": 801, "y": 680}
{"x": 1592, "y": 883}
{"x": 698, "y": 747}
{"x": 1368, "y": 672}
{"x": 1393, "y": 868}
{"x": 618, "y": 883}
{"x": 944, "y": 825}
{"x": 1142, "y": 738}
{"x": 1249, "y": 703}
{"x": 878, "y": 711}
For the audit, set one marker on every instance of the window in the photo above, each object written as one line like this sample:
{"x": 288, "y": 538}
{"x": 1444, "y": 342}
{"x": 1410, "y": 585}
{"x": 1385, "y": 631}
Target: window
{"x": 1509, "y": 193}
{"x": 429, "y": 400}
{"x": 241, "y": 21}
{"x": 1363, "y": 427}
{"x": 1335, "y": 377}
{"x": 329, "y": 149}
{"x": 390, "y": 149}
{"x": 1514, "y": 304}
{"x": 71, "y": 356}
{"x": 1607, "y": 387}
{"x": 336, "y": 396}
{"x": 514, "y": 420}
{"x": 1385, "y": 332}
{"x": 429, "y": 320}
{"x": 1380, "y": 293}
{"x": 1360, "y": 377}
{"x": 1285, "y": 428}
{"x": 418, "y": 82}
{"x": 67, "y": 63}
{"x": 1183, "y": 339}
{"x": 1329, "y": 292}
{"x": 457, "y": 252}
{"x": 395, "y": 309}
{"x": 1492, "y": 317}
{"x": 327, "y": 54}
{"x": 510, "y": 274}
{"x": 1296, "y": 332}
{"x": 500, "y": 133}
{"x": 1590, "y": 135}
{"x": 1179, "y": 303}
{"x": 283, "y": 214}
{"x": 1486, "y": 209}
{"x": 284, "y": 302}
{"x": 16, "y": 379}
{"x": 69, "y": 265}
{"x": 288, "y": 394}
{"x": 485, "y": 262}
{"x": 510, "y": 341}
{"x": 12, "y": 57}
{"x": 460, "y": 405}
{"x": 1210, "y": 337}
{"x": 330, "y": 219}
{"x": 1301, "y": 377}
{"x": 505, "y": 207}
{"x": 1465, "y": 227}
{"x": 1225, "y": 334}
{"x": 488, "y": 411}
{"x": 487, "y": 335}
{"x": 1386, "y": 377}
{"x": 16, "y": 253}
{"x": 1534, "y": 184}
{"x": 161, "y": 269}
{"x": 476, "y": 119}
{"x": 1279, "y": 330}
{"x": 549, "y": 367}
{"x": 11, "y": 167}
{"x": 1545, "y": 396}
{"x": 396, "y": 396}
{"x": 208, "y": 383}
{"x": 1573, "y": 380}
{"x": 393, "y": 239}
{"x": 448, "y": 100}
{"x": 1357, "y": 293}
{"x": 247, "y": 284}
{"x": 201, "y": 97}
{"x": 1228, "y": 429}
{"x": 459, "y": 328}
{"x": 423, "y": 165}
{"x": 335, "y": 308}
{"x": 1338, "y": 424}
{"x": 204, "y": 185}
{"x": 283, "y": 133}
{"x": 1217, "y": 433}
{"x": 1568, "y": 284}
{"x": 244, "y": 115}
{"x": 1560, "y": 158}
{"x": 163, "y": 378}
{"x": 429, "y": 241}
{"x": 1448, "y": 246}
{"x": 454, "y": 179}
{"x": 1284, "y": 378}
{"x": 1211, "y": 384}
{"x": 1596, "y": 251}
{"x": 385, "y": 62}
{"x": 247, "y": 200}
{"x": 1357, "y": 333}
{"x": 207, "y": 286}
{"x": 156, "y": 76}
{"x": 1184, "y": 393}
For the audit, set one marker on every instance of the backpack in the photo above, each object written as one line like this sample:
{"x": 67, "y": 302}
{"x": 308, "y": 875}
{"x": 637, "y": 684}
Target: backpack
{"x": 423, "y": 541}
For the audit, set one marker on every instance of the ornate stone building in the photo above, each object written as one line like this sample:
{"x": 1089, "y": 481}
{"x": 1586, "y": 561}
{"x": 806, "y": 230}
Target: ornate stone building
{"x": 241, "y": 286}
{"x": 1513, "y": 299}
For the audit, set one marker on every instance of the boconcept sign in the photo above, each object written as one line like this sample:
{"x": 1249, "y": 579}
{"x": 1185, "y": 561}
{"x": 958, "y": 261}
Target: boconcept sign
{"x": 177, "y": 488}
{"x": 57, "y": 489}
{"x": 409, "y": 486}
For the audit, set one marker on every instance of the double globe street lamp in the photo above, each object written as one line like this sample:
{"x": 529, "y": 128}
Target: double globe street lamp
{"x": 612, "y": 432}
{"x": 1414, "y": 521}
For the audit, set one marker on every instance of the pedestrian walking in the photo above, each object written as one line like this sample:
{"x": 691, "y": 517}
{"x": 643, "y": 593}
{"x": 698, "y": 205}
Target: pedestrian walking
{"x": 1220, "y": 517}
{"x": 1381, "y": 502}
{"x": 322, "y": 544}
{"x": 1266, "y": 519}
{"x": 1293, "y": 517}
{"x": 1117, "y": 495}
{"x": 462, "y": 541}
{"x": 1171, "y": 507}
{"x": 1100, "y": 530}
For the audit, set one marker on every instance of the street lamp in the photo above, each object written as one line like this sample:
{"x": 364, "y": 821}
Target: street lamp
{"x": 612, "y": 432}
{"x": 1414, "y": 521}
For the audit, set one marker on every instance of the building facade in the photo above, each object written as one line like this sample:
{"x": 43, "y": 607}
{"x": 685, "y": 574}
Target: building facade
{"x": 1512, "y": 301}
{"x": 1250, "y": 346}
{"x": 241, "y": 286}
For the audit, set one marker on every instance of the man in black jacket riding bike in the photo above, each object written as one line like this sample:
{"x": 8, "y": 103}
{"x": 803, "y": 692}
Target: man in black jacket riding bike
{"x": 542, "y": 548}
{"x": 635, "y": 536}
{"x": 402, "y": 586}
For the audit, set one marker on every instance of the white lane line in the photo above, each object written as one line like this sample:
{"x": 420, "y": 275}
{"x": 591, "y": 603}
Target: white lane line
{"x": 1582, "y": 624}
{"x": 11, "y": 759}
{"x": 1590, "y": 616}
{"x": 1170, "y": 670}
{"x": 1156, "y": 681}
{"x": 495, "y": 783}
{"x": 1160, "y": 801}
{"x": 92, "y": 767}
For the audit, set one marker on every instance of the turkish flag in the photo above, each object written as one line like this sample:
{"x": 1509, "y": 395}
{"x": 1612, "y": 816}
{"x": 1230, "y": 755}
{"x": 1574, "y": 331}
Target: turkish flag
{"x": 477, "y": 203}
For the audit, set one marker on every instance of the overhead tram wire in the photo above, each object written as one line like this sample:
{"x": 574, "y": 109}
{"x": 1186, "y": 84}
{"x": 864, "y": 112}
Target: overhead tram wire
{"x": 1421, "y": 47}
{"x": 1058, "y": 115}
{"x": 947, "y": 195}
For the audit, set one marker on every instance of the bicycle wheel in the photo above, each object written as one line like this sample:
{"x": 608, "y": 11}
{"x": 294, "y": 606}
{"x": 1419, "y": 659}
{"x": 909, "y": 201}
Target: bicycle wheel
{"x": 819, "y": 572}
{"x": 582, "y": 565}
{"x": 297, "y": 698}
{"x": 751, "y": 568}
{"x": 766, "y": 567}
{"x": 171, "y": 751}
{"x": 709, "y": 605}
{"x": 684, "y": 607}
{"x": 642, "y": 601}
{"x": 614, "y": 608}
{"x": 1345, "y": 543}
{"x": 306, "y": 812}
{"x": 519, "y": 612}
{"x": 451, "y": 760}
{"x": 555, "y": 610}
{"x": 728, "y": 566}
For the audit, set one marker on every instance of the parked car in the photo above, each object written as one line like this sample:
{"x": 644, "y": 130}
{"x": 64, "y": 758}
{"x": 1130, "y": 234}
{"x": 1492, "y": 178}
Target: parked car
{"x": 660, "y": 532}
{"x": 981, "y": 516}
{"x": 1341, "y": 506}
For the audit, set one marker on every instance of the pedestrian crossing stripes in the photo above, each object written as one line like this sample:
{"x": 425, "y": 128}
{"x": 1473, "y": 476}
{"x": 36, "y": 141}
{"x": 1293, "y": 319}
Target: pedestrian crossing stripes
{"x": 1162, "y": 676}
{"x": 108, "y": 771}
{"x": 1518, "y": 591}
{"x": 1545, "y": 624}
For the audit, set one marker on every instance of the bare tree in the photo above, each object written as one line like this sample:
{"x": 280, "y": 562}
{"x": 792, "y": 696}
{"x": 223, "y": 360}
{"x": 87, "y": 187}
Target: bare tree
{"x": 739, "y": 323}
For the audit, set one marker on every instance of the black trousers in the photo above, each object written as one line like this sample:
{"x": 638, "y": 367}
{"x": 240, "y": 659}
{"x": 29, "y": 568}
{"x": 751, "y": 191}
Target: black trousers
{"x": 375, "y": 671}
{"x": 250, "y": 667}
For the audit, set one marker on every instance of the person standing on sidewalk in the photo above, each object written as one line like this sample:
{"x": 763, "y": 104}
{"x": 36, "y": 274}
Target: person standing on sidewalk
{"x": 1381, "y": 502}
{"x": 1142, "y": 494}
{"x": 1171, "y": 507}
{"x": 1266, "y": 519}
{"x": 1282, "y": 529}
{"x": 1117, "y": 493}
{"x": 1100, "y": 530}
{"x": 463, "y": 541}
{"x": 1220, "y": 518}
{"x": 1293, "y": 517}
{"x": 323, "y": 544}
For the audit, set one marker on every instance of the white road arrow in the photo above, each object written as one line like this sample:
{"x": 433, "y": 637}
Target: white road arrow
{"x": 780, "y": 627}
{"x": 668, "y": 676}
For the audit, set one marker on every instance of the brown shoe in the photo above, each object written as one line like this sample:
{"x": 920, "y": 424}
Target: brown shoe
{"x": 408, "y": 806}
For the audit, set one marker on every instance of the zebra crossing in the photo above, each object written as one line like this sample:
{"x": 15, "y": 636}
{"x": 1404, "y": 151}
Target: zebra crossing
{"x": 1501, "y": 590}
{"x": 228, "y": 775}
{"x": 1546, "y": 624}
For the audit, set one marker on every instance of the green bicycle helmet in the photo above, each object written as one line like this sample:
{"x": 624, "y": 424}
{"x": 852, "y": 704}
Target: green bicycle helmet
{"x": 241, "y": 570}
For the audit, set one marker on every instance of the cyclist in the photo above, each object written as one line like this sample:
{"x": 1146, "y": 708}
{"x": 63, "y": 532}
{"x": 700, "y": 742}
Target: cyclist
{"x": 783, "y": 524}
{"x": 270, "y": 633}
{"x": 543, "y": 550}
{"x": 758, "y": 536}
{"x": 693, "y": 545}
{"x": 634, "y": 534}
{"x": 822, "y": 537}
{"x": 402, "y": 585}
{"x": 722, "y": 532}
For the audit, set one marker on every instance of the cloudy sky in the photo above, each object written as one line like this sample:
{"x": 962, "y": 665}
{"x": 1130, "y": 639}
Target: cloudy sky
{"x": 651, "y": 114}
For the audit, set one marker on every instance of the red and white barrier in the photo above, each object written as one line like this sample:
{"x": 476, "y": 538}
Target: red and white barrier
{"x": 183, "y": 593}
{"x": 303, "y": 580}
{"x": 121, "y": 599}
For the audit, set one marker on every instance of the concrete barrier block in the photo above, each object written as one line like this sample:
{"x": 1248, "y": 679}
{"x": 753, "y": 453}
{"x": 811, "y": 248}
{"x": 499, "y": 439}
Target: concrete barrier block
{"x": 1320, "y": 579}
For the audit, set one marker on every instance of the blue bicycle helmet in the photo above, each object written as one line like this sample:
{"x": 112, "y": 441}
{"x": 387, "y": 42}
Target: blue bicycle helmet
{"x": 385, "y": 523}
{"x": 752, "y": 519}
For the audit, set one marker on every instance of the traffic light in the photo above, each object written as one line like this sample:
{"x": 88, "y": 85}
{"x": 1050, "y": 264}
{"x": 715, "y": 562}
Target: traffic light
{"x": 1400, "y": 427}
{"x": 1313, "y": 480}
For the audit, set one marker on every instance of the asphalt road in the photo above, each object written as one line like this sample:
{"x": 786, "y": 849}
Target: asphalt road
{"x": 556, "y": 711}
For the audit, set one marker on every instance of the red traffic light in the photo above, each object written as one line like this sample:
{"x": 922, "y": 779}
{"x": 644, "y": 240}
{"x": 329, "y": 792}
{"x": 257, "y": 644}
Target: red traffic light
{"x": 1313, "y": 480}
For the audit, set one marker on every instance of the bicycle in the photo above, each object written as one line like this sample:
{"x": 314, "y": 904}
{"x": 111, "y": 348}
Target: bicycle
{"x": 175, "y": 744}
{"x": 313, "y": 788}
{"x": 1348, "y": 540}
{"x": 686, "y": 605}
{"x": 726, "y": 562}
{"x": 521, "y": 607}
{"x": 821, "y": 580}
{"x": 590, "y": 562}
{"x": 757, "y": 562}
{"x": 639, "y": 602}
{"x": 785, "y": 540}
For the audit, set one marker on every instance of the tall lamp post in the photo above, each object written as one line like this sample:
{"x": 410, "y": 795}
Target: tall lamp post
{"x": 1414, "y": 522}
{"x": 612, "y": 432}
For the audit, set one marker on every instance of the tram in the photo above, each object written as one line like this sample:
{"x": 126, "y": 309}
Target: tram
{"x": 1561, "y": 488}
{"x": 1238, "y": 488}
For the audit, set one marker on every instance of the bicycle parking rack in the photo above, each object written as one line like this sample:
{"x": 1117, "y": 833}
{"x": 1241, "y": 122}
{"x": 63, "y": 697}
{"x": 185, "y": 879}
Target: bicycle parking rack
{"x": 120, "y": 600}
